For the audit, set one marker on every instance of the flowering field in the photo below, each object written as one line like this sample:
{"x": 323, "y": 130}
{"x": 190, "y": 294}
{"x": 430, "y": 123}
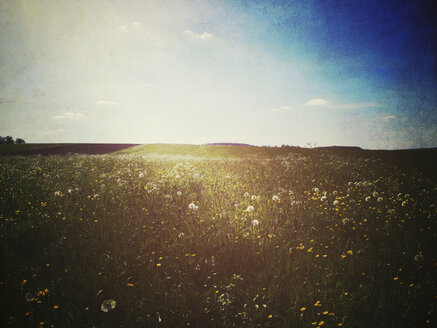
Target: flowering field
{"x": 237, "y": 239}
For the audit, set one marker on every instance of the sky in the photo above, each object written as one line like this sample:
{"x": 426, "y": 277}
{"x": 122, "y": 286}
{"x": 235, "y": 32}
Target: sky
{"x": 347, "y": 73}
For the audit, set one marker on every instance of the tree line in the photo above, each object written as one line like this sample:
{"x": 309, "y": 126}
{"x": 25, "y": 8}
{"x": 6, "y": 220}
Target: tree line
{"x": 10, "y": 140}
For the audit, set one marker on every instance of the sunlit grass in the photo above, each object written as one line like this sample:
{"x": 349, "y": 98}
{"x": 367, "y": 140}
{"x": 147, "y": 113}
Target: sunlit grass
{"x": 226, "y": 237}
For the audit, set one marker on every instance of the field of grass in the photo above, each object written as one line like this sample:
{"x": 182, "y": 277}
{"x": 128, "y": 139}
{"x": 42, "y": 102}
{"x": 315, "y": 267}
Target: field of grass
{"x": 217, "y": 236}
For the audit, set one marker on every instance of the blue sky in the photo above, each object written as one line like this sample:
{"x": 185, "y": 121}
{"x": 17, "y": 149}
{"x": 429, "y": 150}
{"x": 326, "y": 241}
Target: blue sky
{"x": 359, "y": 73}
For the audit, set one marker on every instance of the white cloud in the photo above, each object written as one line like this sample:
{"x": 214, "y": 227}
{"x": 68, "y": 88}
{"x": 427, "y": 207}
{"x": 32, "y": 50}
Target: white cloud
{"x": 388, "y": 117}
{"x": 106, "y": 103}
{"x": 201, "y": 36}
{"x": 323, "y": 102}
{"x": 122, "y": 28}
{"x": 137, "y": 24}
{"x": 68, "y": 116}
{"x": 282, "y": 108}
{"x": 317, "y": 102}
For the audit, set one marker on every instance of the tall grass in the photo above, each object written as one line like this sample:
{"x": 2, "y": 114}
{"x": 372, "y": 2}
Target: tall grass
{"x": 347, "y": 241}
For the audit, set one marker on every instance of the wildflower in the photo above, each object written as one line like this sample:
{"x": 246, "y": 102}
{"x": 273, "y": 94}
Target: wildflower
{"x": 323, "y": 198}
{"x": 275, "y": 198}
{"x": 380, "y": 199}
{"x": 316, "y": 190}
{"x": 250, "y": 208}
{"x": 404, "y": 203}
{"x": 179, "y": 193}
{"x": 367, "y": 199}
{"x": 141, "y": 175}
{"x": 375, "y": 194}
{"x": 177, "y": 176}
{"x": 336, "y": 202}
{"x": 193, "y": 207}
{"x": 303, "y": 309}
{"x": 108, "y": 305}
{"x": 181, "y": 235}
{"x": 246, "y": 194}
{"x": 255, "y": 222}
{"x": 55, "y": 307}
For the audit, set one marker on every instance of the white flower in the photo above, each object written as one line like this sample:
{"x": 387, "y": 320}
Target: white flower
{"x": 255, "y": 222}
{"x": 193, "y": 207}
{"x": 246, "y": 194}
{"x": 345, "y": 220}
{"x": 375, "y": 194}
{"x": 334, "y": 192}
{"x": 181, "y": 235}
{"x": 177, "y": 176}
{"x": 323, "y": 198}
{"x": 179, "y": 193}
{"x": 275, "y": 198}
{"x": 404, "y": 203}
{"x": 228, "y": 177}
{"x": 250, "y": 208}
{"x": 336, "y": 202}
{"x": 141, "y": 175}
{"x": 367, "y": 199}
{"x": 108, "y": 305}
{"x": 316, "y": 190}
{"x": 380, "y": 199}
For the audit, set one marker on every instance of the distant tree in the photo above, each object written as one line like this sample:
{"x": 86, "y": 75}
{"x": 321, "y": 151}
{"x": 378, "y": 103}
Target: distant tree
{"x": 20, "y": 141}
{"x": 9, "y": 140}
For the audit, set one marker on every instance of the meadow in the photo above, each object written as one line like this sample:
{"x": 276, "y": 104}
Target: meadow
{"x": 215, "y": 236}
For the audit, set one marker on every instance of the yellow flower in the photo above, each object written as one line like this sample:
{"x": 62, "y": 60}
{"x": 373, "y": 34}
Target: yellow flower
{"x": 303, "y": 308}
{"x": 56, "y": 307}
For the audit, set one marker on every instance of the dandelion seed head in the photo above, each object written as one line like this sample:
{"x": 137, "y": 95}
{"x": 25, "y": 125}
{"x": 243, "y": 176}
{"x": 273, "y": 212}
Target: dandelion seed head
{"x": 108, "y": 305}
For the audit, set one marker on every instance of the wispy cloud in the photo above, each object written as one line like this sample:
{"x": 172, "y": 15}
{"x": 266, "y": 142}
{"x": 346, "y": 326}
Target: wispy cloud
{"x": 323, "y": 102}
{"x": 388, "y": 117}
{"x": 282, "y": 108}
{"x": 106, "y": 103}
{"x": 137, "y": 24}
{"x": 123, "y": 28}
{"x": 201, "y": 36}
{"x": 317, "y": 102}
{"x": 68, "y": 116}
